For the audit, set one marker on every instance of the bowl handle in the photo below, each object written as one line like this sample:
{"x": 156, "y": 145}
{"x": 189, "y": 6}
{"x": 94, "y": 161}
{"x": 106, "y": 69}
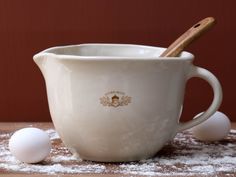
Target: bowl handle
{"x": 215, "y": 84}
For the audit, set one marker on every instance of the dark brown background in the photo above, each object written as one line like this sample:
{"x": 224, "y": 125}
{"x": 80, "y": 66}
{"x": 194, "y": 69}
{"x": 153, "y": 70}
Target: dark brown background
{"x": 27, "y": 27}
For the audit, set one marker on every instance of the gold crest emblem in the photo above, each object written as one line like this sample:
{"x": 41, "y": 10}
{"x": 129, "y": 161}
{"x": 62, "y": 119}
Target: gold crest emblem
{"x": 115, "y": 99}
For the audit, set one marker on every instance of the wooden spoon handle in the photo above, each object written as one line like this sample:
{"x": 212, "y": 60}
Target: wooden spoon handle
{"x": 189, "y": 36}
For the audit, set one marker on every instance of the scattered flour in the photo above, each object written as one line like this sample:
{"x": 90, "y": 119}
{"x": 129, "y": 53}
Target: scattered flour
{"x": 184, "y": 156}
{"x": 53, "y": 134}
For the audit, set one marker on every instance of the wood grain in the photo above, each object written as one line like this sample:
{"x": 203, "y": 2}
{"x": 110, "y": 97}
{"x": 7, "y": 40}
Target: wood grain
{"x": 188, "y": 37}
{"x": 13, "y": 126}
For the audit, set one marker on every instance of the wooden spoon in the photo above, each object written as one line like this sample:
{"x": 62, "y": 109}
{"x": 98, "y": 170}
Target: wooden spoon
{"x": 188, "y": 37}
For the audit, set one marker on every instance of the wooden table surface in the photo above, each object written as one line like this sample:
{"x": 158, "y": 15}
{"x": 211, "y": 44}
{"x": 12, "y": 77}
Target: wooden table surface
{"x": 11, "y": 127}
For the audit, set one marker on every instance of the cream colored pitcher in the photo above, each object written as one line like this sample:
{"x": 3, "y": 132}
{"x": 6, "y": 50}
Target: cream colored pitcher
{"x": 119, "y": 102}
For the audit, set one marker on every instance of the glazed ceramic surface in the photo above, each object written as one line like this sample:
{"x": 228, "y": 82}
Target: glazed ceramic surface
{"x": 119, "y": 102}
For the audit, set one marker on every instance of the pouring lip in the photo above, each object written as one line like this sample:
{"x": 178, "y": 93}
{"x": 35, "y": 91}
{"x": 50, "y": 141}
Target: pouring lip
{"x": 185, "y": 55}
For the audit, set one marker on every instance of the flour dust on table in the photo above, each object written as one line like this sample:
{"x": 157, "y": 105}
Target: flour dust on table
{"x": 184, "y": 156}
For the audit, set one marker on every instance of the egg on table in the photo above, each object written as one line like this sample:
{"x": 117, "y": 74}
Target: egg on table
{"x": 30, "y": 145}
{"x": 215, "y": 128}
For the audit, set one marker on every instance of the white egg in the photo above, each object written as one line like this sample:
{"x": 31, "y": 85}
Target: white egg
{"x": 215, "y": 128}
{"x": 30, "y": 145}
